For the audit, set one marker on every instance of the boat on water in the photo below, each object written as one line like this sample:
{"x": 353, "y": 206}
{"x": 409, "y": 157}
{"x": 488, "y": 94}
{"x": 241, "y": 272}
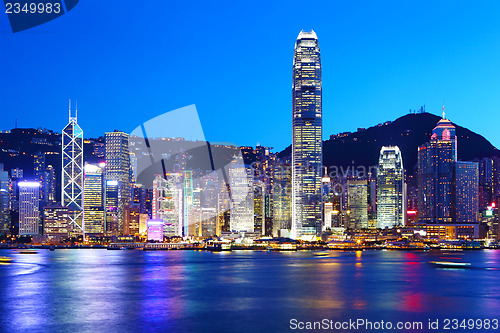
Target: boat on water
{"x": 27, "y": 251}
{"x": 321, "y": 253}
{"x": 217, "y": 247}
{"x": 5, "y": 259}
{"x": 451, "y": 264}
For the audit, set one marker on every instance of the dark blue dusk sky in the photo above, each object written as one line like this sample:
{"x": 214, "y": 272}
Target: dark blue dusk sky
{"x": 129, "y": 61}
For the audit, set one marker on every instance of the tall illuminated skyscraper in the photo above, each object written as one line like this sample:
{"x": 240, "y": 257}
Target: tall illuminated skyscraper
{"x": 112, "y": 202}
{"x": 187, "y": 200}
{"x": 72, "y": 173}
{"x": 93, "y": 203}
{"x": 282, "y": 201}
{"x": 39, "y": 172}
{"x": 118, "y": 169}
{"x": 357, "y": 191}
{"x": 208, "y": 203}
{"x": 391, "y": 196}
{"x": 4, "y": 201}
{"x": 50, "y": 184}
{"x": 29, "y": 213}
{"x": 466, "y": 192}
{"x": 306, "y": 137}
{"x": 259, "y": 206}
{"x": 242, "y": 203}
{"x": 448, "y": 189}
{"x": 436, "y": 163}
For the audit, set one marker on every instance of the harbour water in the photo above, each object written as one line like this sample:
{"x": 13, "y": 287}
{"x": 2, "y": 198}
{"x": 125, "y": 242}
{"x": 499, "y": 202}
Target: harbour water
{"x": 82, "y": 290}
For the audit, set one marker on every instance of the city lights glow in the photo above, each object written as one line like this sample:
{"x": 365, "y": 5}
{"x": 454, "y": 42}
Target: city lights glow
{"x": 29, "y": 184}
{"x": 91, "y": 168}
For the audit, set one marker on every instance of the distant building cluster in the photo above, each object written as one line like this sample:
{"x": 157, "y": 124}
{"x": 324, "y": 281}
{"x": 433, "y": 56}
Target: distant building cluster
{"x": 90, "y": 190}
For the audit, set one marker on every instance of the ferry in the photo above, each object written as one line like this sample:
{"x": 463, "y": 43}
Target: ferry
{"x": 217, "y": 247}
{"x": 113, "y": 247}
{"x": 451, "y": 264}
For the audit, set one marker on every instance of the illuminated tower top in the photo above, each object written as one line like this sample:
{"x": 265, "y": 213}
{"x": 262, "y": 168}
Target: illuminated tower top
{"x": 446, "y": 131}
{"x": 71, "y": 118}
{"x": 307, "y": 35}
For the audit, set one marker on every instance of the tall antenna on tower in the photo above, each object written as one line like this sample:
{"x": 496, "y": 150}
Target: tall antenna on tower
{"x": 76, "y": 110}
{"x": 69, "y": 109}
{"x": 444, "y": 114}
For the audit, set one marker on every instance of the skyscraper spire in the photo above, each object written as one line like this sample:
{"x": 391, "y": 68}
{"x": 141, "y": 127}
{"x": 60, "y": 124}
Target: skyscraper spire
{"x": 69, "y": 109}
{"x": 444, "y": 113}
{"x": 76, "y": 110}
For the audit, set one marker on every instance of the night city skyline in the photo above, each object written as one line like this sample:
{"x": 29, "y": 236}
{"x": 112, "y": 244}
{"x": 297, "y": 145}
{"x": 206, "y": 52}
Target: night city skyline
{"x": 438, "y": 51}
{"x": 266, "y": 193}
{"x": 250, "y": 167}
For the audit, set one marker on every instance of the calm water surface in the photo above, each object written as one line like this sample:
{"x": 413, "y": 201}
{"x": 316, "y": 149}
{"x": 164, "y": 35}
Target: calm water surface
{"x": 240, "y": 291}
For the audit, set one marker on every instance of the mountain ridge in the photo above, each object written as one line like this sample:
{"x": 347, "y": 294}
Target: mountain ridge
{"x": 408, "y": 132}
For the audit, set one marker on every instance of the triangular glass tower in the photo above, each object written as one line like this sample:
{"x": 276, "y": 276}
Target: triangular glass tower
{"x": 72, "y": 174}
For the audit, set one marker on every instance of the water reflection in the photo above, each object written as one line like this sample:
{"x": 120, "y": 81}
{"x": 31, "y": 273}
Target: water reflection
{"x": 184, "y": 291}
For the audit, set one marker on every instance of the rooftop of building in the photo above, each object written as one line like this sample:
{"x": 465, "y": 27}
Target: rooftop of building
{"x": 444, "y": 123}
{"x": 305, "y": 34}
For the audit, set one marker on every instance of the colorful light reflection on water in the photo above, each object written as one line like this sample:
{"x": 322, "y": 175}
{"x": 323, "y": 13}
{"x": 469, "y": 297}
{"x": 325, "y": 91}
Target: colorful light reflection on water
{"x": 185, "y": 291}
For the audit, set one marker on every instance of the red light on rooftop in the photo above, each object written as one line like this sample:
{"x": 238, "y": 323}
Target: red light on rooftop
{"x": 411, "y": 212}
{"x": 493, "y": 204}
